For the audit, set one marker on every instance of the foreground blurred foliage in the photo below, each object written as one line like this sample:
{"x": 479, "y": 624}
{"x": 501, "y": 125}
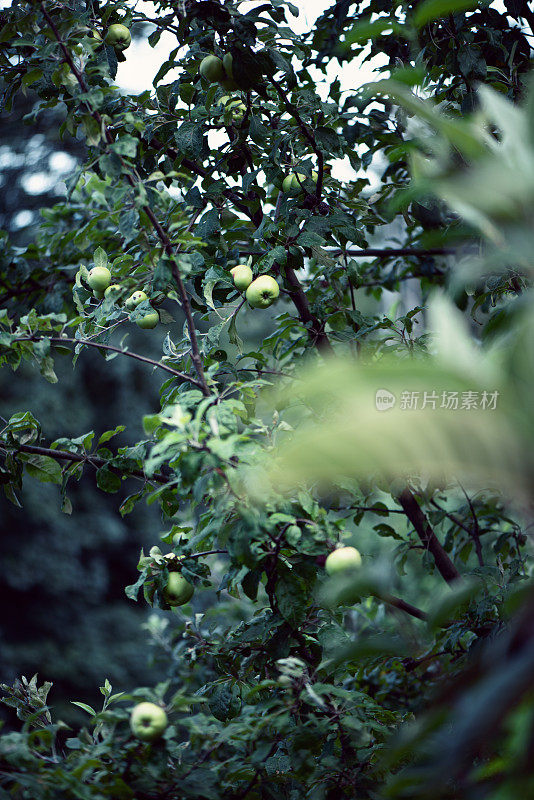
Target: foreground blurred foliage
{"x": 408, "y": 676}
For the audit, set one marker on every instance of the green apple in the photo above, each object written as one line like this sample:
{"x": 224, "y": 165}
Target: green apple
{"x": 242, "y": 275}
{"x": 342, "y": 560}
{"x": 236, "y": 108}
{"x": 148, "y": 321}
{"x": 99, "y": 278}
{"x": 118, "y": 36}
{"x": 212, "y": 69}
{"x": 227, "y": 80}
{"x": 113, "y": 289}
{"x": 178, "y": 591}
{"x": 135, "y": 299}
{"x": 238, "y": 111}
{"x": 148, "y": 721}
{"x": 229, "y": 84}
{"x": 228, "y": 62}
{"x": 293, "y": 183}
{"x": 98, "y": 295}
{"x": 262, "y": 292}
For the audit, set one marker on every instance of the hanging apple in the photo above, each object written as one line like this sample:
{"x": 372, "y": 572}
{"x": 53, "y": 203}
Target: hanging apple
{"x": 148, "y": 320}
{"x": 178, "y": 590}
{"x": 212, "y": 69}
{"x": 99, "y": 278}
{"x": 262, "y": 292}
{"x": 148, "y": 721}
{"x": 118, "y": 36}
{"x": 242, "y": 275}
{"x": 342, "y": 560}
{"x": 135, "y": 299}
{"x": 294, "y": 182}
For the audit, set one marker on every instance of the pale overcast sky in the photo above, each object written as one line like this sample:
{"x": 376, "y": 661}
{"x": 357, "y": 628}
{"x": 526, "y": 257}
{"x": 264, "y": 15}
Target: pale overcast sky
{"x": 142, "y": 62}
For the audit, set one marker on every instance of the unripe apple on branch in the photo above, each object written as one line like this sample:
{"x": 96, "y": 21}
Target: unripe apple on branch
{"x": 118, "y": 36}
{"x": 262, "y": 292}
{"x": 99, "y": 278}
{"x": 178, "y": 590}
{"x": 342, "y": 560}
{"x": 148, "y": 721}
{"x": 242, "y": 275}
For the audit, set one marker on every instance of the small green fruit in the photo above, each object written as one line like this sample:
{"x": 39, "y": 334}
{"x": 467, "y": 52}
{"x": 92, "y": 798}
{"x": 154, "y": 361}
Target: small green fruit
{"x": 98, "y": 295}
{"x": 238, "y": 112}
{"x": 135, "y": 299}
{"x": 235, "y": 107}
{"x": 148, "y": 721}
{"x": 148, "y": 321}
{"x": 229, "y": 84}
{"x": 113, "y": 290}
{"x": 228, "y": 62}
{"x": 118, "y": 36}
{"x": 227, "y": 81}
{"x": 262, "y": 292}
{"x": 212, "y": 69}
{"x": 294, "y": 182}
{"x": 99, "y": 278}
{"x": 242, "y": 275}
{"x": 342, "y": 560}
{"x": 178, "y": 591}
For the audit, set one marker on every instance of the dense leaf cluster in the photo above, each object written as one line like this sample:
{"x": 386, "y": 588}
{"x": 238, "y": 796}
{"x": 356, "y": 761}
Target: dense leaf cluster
{"x": 411, "y": 678}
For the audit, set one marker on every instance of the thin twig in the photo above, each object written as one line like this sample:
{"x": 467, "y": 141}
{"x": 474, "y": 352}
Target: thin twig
{"x": 112, "y": 349}
{"x": 306, "y": 132}
{"x": 475, "y": 530}
{"x": 95, "y": 461}
{"x": 162, "y": 235}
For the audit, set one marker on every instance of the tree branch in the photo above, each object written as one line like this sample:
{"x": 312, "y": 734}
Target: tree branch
{"x": 98, "y": 345}
{"x": 197, "y": 169}
{"x": 95, "y": 461}
{"x": 162, "y": 235}
{"x": 186, "y": 305}
{"x": 402, "y": 605}
{"x": 306, "y": 132}
{"x": 379, "y": 252}
{"x": 386, "y": 252}
{"x": 315, "y": 327}
{"x": 427, "y": 536}
{"x": 527, "y": 13}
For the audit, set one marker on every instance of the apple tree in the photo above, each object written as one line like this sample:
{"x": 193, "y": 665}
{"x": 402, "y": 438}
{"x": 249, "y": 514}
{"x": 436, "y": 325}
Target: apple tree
{"x": 257, "y": 211}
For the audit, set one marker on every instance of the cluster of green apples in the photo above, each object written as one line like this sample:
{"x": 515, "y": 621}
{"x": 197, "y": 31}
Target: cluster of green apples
{"x": 149, "y": 721}
{"x": 294, "y": 182}
{"x": 117, "y": 36}
{"x": 219, "y": 70}
{"x": 99, "y": 279}
{"x": 260, "y": 292}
